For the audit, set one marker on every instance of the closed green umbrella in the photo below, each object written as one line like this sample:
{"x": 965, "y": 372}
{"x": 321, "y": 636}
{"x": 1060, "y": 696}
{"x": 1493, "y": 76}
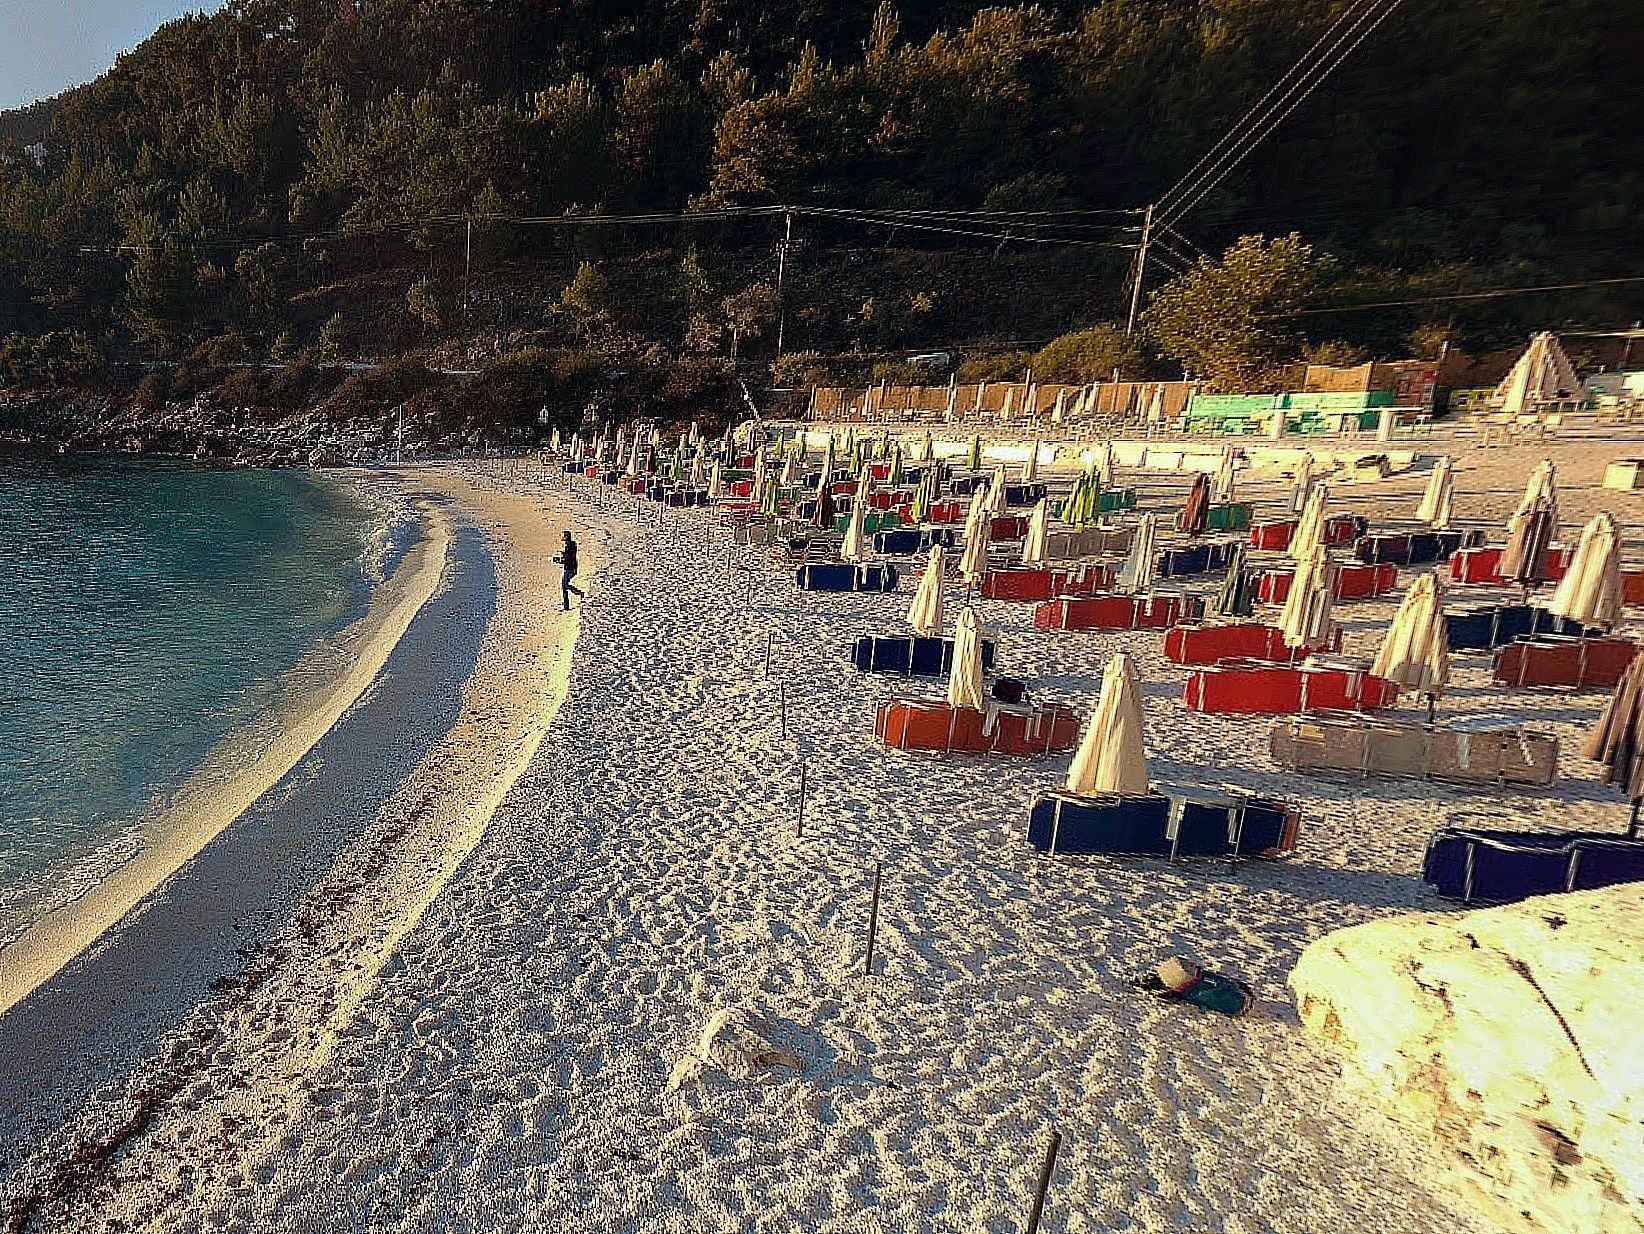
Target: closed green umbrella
{"x": 1235, "y": 599}
{"x": 976, "y": 452}
{"x": 1066, "y": 510}
{"x": 921, "y": 501}
{"x": 676, "y": 468}
{"x": 856, "y": 458}
{"x": 896, "y": 468}
{"x": 885, "y": 446}
{"x": 771, "y": 507}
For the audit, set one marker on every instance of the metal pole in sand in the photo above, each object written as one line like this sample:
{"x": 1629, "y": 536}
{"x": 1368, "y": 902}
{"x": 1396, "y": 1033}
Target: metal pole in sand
{"x": 800, "y": 830}
{"x": 782, "y": 706}
{"x": 873, "y": 917}
{"x": 770, "y": 643}
{"x": 1045, "y": 1170}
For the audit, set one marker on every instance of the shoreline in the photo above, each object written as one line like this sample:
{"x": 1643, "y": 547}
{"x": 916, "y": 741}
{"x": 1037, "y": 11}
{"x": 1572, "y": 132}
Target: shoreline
{"x": 207, "y": 802}
{"x": 260, "y": 956}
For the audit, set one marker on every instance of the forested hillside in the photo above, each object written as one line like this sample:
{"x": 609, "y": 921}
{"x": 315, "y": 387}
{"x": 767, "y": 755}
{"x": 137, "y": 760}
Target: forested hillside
{"x": 294, "y": 177}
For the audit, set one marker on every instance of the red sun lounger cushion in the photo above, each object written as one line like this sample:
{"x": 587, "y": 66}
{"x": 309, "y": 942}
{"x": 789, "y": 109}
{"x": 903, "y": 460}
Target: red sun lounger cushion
{"x": 1249, "y": 641}
{"x": 932, "y": 724}
{"x": 1554, "y": 660}
{"x": 1035, "y": 584}
{"x": 1483, "y": 565}
{"x": 1117, "y": 612}
{"x": 1354, "y": 581}
{"x": 1256, "y": 688}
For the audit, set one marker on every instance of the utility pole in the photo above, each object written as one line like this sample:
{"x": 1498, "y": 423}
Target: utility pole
{"x": 468, "y": 262}
{"x": 781, "y": 279}
{"x": 1141, "y": 267}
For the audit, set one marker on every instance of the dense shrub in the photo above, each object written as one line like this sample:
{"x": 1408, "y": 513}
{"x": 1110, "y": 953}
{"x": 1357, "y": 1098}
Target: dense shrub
{"x": 1091, "y": 355}
{"x": 373, "y": 393}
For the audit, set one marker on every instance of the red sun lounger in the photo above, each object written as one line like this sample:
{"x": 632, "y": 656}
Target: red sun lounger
{"x": 1556, "y": 660}
{"x": 1354, "y": 581}
{"x": 1191, "y": 644}
{"x": 1019, "y": 730}
{"x": 1117, "y": 612}
{"x": 1035, "y": 584}
{"x": 1482, "y": 566}
{"x": 1244, "y": 687}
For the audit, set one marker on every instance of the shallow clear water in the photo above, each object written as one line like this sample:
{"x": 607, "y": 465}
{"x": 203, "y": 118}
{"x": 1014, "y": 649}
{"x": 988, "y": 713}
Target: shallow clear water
{"x": 147, "y": 613}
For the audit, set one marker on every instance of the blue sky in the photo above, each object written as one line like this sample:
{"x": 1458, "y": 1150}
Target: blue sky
{"x": 46, "y": 46}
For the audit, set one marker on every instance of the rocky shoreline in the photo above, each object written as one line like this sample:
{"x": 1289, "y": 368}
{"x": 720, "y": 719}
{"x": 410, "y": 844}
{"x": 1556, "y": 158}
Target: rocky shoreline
{"x": 59, "y": 424}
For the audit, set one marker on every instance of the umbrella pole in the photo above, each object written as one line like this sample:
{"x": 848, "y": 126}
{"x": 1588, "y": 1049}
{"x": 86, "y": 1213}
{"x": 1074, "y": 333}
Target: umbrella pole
{"x": 1632, "y": 826}
{"x": 1432, "y": 706}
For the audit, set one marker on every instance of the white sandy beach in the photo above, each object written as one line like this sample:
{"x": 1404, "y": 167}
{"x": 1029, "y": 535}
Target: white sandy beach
{"x": 436, "y": 979}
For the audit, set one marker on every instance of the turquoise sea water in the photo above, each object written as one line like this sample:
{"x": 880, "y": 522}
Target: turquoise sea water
{"x": 148, "y": 613}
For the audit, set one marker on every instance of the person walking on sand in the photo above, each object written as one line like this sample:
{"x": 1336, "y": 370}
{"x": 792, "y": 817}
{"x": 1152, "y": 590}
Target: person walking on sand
{"x": 568, "y": 560}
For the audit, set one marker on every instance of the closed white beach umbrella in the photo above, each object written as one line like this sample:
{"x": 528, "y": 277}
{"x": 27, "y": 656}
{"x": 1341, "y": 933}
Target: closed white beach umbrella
{"x": 1543, "y": 374}
{"x": 1309, "y": 533}
{"x": 1112, "y": 757}
{"x": 1037, "y": 545}
{"x": 1303, "y": 487}
{"x": 1155, "y": 410}
{"x": 1104, "y": 465}
{"x": 759, "y": 471}
{"x": 1306, "y": 617}
{"x": 716, "y": 483}
{"x": 979, "y": 509}
{"x": 1416, "y": 651}
{"x": 974, "y": 563}
{"x": 926, "y": 614}
{"x": 1436, "y": 502}
{"x": 965, "y": 687}
{"x": 826, "y": 478}
{"x": 1543, "y": 483}
{"x": 854, "y": 546}
{"x": 1590, "y": 592}
{"x": 1137, "y": 574}
{"x": 790, "y": 469}
{"x": 1059, "y": 408}
{"x": 699, "y": 471}
{"x": 1030, "y": 468}
{"x": 996, "y": 493}
{"x": 1223, "y": 485}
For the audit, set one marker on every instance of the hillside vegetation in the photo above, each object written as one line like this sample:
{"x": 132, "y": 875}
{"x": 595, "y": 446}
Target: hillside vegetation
{"x": 308, "y": 179}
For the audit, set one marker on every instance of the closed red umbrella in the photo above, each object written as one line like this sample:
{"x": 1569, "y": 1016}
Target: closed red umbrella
{"x": 1196, "y": 513}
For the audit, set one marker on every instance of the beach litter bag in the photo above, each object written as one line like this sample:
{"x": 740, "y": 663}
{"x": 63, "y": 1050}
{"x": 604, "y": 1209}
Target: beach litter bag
{"x": 1183, "y": 981}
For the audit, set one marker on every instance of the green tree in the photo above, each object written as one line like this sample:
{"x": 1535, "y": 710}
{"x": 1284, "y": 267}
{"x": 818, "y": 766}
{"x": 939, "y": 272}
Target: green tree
{"x": 333, "y": 337}
{"x": 258, "y": 273}
{"x": 749, "y": 313}
{"x": 1225, "y": 320}
{"x": 587, "y": 300}
{"x": 426, "y": 302}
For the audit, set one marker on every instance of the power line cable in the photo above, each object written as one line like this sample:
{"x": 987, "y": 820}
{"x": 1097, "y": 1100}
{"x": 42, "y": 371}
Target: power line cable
{"x": 1496, "y": 293}
{"x": 1364, "y": 24}
{"x": 1283, "y": 83}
